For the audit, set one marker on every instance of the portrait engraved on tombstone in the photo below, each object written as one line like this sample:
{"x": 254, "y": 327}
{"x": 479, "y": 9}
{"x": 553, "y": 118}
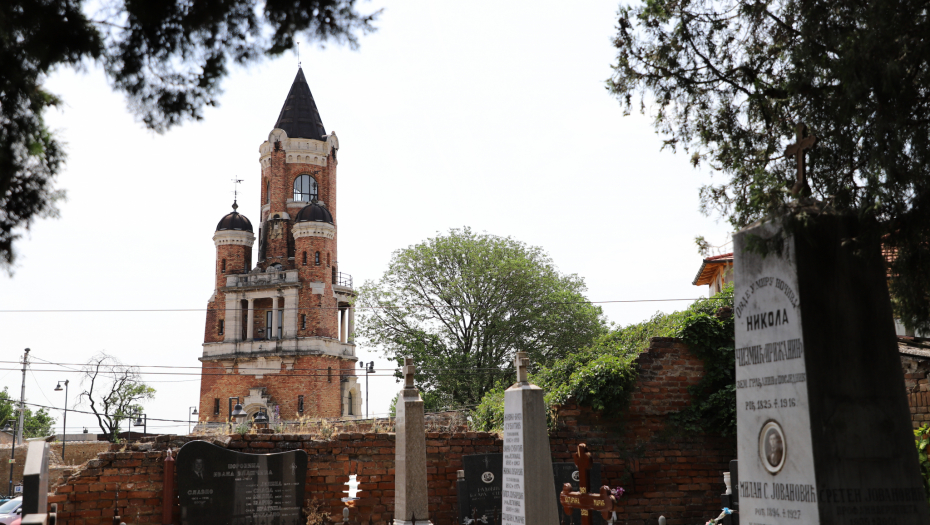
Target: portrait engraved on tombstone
{"x": 218, "y": 486}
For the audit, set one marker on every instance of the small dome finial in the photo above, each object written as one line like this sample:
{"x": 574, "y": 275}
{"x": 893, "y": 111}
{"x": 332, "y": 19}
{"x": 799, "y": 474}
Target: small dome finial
{"x": 235, "y": 206}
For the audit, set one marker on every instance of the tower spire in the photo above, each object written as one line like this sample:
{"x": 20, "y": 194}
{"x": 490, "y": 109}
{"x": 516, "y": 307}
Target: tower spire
{"x": 236, "y": 183}
{"x": 299, "y": 117}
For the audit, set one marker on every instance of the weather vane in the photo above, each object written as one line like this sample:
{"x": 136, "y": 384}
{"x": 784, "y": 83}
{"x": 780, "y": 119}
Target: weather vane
{"x": 236, "y": 183}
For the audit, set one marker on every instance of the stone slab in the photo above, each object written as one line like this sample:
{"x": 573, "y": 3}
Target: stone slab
{"x": 824, "y": 433}
{"x": 483, "y": 483}
{"x": 218, "y": 486}
{"x": 410, "y": 482}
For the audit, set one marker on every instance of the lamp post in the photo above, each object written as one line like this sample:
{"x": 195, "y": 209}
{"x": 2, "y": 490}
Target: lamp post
{"x": 191, "y": 411}
{"x": 64, "y": 424}
{"x": 7, "y": 428}
{"x": 370, "y": 369}
{"x": 237, "y": 412}
{"x": 261, "y": 419}
{"x": 142, "y": 420}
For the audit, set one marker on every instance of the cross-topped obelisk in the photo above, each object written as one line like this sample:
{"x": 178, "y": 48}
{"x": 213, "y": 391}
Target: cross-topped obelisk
{"x": 797, "y": 150}
{"x": 410, "y": 495}
{"x": 527, "y": 497}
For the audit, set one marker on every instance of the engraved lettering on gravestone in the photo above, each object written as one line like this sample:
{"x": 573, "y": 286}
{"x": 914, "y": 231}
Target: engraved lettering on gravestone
{"x": 772, "y": 446}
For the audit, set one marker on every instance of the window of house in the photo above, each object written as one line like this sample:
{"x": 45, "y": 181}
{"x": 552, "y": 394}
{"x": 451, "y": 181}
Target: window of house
{"x": 305, "y": 258}
{"x": 305, "y": 188}
{"x": 300, "y": 404}
{"x": 222, "y": 326}
{"x": 316, "y": 258}
{"x": 216, "y": 406}
{"x": 223, "y": 270}
{"x": 303, "y": 321}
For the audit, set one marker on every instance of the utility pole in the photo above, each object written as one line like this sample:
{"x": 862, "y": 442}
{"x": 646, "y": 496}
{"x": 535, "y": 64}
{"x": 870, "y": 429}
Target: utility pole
{"x": 22, "y": 401}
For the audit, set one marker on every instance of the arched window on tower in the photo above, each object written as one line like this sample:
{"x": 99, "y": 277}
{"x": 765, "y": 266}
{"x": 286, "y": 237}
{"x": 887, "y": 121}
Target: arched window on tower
{"x": 316, "y": 258}
{"x": 268, "y": 192}
{"x": 305, "y": 258}
{"x": 305, "y": 189}
{"x": 350, "y": 404}
{"x": 223, "y": 270}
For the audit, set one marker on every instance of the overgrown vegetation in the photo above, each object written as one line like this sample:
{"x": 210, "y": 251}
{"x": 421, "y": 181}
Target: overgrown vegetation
{"x": 922, "y": 440}
{"x": 35, "y": 424}
{"x": 602, "y": 375}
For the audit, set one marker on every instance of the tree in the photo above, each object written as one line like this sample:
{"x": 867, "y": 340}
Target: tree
{"x": 729, "y": 80}
{"x": 113, "y": 392}
{"x": 168, "y": 57}
{"x": 35, "y": 424}
{"x": 461, "y": 304}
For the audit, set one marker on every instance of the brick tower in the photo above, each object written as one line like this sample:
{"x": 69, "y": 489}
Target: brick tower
{"x": 279, "y": 336}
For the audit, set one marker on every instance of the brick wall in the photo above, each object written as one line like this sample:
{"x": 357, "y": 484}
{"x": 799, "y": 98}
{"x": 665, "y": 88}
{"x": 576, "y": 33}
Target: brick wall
{"x": 663, "y": 472}
{"x": 76, "y": 453}
{"x": 917, "y": 386}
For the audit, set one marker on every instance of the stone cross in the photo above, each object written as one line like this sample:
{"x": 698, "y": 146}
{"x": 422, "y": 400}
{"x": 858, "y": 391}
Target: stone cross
{"x": 797, "y": 150}
{"x": 409, "y": 370}
{"x": 601, "y": 502}
{"x": 520, "y": 363}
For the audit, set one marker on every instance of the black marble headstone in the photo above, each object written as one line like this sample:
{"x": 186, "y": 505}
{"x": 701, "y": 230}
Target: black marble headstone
{"x": 568, "y": 473}
{"x": 218, "y": 486}
{"x": 483, "y": 481}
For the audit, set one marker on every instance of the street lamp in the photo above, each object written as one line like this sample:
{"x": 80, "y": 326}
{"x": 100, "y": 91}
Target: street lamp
{"x": 64, "y": 424}
{"x": 261, "y": 419}
{"x": 191, "y": 411}
{"x": 238, "y": 413}
{"x": 369, "y": 370}
{"x": 140, "y": 422}
{"x": 8, "y": 428}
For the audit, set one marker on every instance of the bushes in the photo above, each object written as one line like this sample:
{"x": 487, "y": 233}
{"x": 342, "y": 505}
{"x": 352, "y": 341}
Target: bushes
{"x": 922, "y": 439}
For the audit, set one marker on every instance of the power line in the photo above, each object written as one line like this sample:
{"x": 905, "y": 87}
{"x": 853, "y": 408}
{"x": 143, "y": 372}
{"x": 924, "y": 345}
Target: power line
{"x": 200, "y": 368}
{"x": 383, "y": 307}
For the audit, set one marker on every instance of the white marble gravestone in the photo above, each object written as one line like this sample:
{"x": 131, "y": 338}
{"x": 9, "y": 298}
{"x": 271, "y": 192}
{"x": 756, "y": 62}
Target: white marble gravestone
{"x": 823, "y": 428}
{"x": 527, "y": 497}
{"x": 410, "y": 490}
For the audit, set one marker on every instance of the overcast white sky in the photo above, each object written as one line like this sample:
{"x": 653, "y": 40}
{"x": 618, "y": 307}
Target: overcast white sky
{"x": 486, "y": 114}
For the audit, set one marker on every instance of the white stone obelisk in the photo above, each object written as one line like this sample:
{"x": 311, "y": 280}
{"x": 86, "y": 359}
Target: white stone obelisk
{"x": 527, "y": 496}
{"x": 410, "y": 495}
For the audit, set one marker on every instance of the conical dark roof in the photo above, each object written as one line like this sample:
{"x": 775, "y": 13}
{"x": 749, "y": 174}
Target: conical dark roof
{"x": 299, "y": 117}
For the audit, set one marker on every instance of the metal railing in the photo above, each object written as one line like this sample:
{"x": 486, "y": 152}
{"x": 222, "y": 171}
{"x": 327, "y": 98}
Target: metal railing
{"x": 342, "y": 279}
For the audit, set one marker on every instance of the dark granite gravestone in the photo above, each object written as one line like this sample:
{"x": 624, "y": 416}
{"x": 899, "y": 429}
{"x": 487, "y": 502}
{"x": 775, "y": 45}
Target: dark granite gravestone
{"x": 823, "y": 428}
{"x": 218, "y": 486}
{"x": 568, "y": 473}
{"x": 483, "y": 485}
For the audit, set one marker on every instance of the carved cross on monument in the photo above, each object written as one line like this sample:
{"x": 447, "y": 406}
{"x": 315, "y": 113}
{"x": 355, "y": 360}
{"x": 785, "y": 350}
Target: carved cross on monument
{"x": 797, "y": 150}
{"x": 409, "y": 370}
{"x": 584, "y": 500}
{"x": 520, "y": 363}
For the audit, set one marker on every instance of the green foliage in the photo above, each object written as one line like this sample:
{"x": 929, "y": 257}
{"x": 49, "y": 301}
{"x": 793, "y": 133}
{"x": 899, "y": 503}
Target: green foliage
{"x": 922, "y": 440}
{"x": 709, "y": 331}
{"x": 35, "y": 424}
{"x": 168, "y": 57}
{"x": 728, "y": 80}
{"x": 602, "y": 375}
{"x": 461, "y": 304}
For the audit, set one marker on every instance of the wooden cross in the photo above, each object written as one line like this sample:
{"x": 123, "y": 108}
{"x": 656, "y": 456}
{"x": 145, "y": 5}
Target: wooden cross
{"x": 520, "y": 363}
{"x": 584, "y": 500}
{"x": 409, "y": 370}
{"x": 797, "y": 150}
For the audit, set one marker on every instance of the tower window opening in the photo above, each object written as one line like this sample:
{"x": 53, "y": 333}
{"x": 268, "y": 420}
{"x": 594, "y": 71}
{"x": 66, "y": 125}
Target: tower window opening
{"x": 327, "y": 259}
{"x": 350, "y": 404}
{"x": 216, "y": 406}
{"x": 305, "y": 189}
{"x": 223, "y": 270}
{"x": 329, "y": 374}
{"x": 316, "y": 258}
{"x": 222, "y": 326}
{"x": 305, "y": 258}
{"x": 268, "y": 192}
{"x": 300, "y": 404}
{"x": 303, "y": 321}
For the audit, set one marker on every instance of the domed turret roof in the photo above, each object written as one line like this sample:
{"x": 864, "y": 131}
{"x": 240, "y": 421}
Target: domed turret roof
{"x": 234, "y": 221}
{"x": 314, "y": 212}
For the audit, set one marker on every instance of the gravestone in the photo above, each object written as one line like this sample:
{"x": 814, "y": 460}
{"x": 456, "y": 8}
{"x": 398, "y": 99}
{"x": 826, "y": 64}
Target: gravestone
{"x": 218, "y": 486}
{"x": 823, "y": 428}
{"x": 410, "y": 491}
{"x": 526, "y": 496}
{"x": 35, "y": 479}
{"x": 568, "y": 473}
{"x": 483, "y": 483}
